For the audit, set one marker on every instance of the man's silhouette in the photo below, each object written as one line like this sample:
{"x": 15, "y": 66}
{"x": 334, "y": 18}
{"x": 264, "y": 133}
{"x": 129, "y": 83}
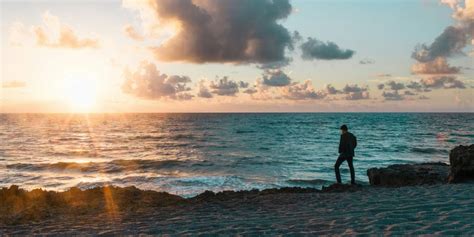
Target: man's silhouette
{"x": 347, "y": 144}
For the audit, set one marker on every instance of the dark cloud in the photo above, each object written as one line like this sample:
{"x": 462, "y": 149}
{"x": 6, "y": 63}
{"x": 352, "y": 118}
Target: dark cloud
{"x": 392, "y": 95}
{"x": 13, "y": 84}
{"x": 366, "y": 61}
{"x": 224, "y": 87}
{"x": 395, "y": 85}
{"x": 449, "y": 43}
{"x": 442, "y": 82}
{"x": 315, "y": 49}
{"x": 353, "y": 88}
{"x": 148, "y": 83}
{"x": 302, "y": 91}
{"x": 415, "y": 86}
{"x": 275, "y": 65}
{"x": 355, "y": 92}
{"x": 276, "y": 78}
{"x": 331, "y": 90}
{"x": 245, "y": 31}
{"x": 243, "y": 84}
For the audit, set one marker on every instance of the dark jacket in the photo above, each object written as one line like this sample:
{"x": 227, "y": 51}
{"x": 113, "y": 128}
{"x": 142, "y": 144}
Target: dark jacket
{"x": 347, "y": 144}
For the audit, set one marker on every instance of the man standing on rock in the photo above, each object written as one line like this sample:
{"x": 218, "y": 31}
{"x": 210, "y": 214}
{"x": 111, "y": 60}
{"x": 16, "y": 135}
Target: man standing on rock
{"x": 347, "y": 144}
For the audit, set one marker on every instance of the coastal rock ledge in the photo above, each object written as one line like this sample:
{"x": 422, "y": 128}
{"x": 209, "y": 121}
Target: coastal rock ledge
{"x": 461, "y": 159}
{"x": 409, "y": 174}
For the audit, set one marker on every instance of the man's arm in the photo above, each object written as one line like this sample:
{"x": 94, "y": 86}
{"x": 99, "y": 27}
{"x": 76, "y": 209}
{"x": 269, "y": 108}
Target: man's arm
{"x": 340, "y": 145}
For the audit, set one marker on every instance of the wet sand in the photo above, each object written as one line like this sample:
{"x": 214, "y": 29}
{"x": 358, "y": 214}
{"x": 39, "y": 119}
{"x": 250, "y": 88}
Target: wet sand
{"x": 446, "y": 209}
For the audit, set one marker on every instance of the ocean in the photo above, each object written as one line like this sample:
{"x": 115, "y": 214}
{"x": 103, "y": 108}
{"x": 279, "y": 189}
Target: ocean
{"x": 186, "y": 154}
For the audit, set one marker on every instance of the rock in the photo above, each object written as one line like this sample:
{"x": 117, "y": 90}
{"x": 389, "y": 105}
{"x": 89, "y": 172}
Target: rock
{"x": 461, "y": 159}
{"x": 209, "y": 196}
{"x": 409, "y": 174}
{"x": 342, "y": 188}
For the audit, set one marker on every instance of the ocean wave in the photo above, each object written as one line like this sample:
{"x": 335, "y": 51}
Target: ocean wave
{"x": 463, "y": 134}
{"x": 114, "y": 166}
{"x": 428, "y": 150}
{"x": 148, "y": 137}
{"x": 242, "y": 131}
{"x": 75, "y": 153}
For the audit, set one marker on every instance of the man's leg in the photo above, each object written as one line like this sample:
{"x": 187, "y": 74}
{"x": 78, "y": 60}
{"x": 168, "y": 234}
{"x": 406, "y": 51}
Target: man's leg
{"x": 351, "y": 167}
{"x": 336, "y": 168}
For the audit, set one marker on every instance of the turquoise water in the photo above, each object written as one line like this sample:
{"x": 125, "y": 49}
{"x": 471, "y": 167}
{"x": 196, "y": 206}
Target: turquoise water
{"x": 189, "y": 153}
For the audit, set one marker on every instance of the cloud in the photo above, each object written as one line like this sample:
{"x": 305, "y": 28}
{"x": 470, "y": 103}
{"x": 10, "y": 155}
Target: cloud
{"x": 426, "y": 84}
{"x": 415, "y": 86}
{"x": 243, "y": 84}
{"x": 394, "y": 95}
{"x": 331, "y": 90}
{"x": 13, "y": 84}
{"x": 366, "y": 61}
{"x": 358, "y": 96}
{"x": 355, "y": 92}
{"x": 315, "y": 49}
{"x": 149, "y": 83}
{"x": 437, "y": 66}
{"x": 353, "y": 88}
{"x": 250, "y": 91}
{"x": 275, "y": 65}
{"x": 58, "y": 35}
{"x": 245, "y": 31}
{"x": 276, "y": 78}
{"x": 432, "y": 58}
{"x": 225, "y": 87}
{"x": 395, "y": 85}
{"x": 130, "y": 31}
{"x": 463, "y": 13}
{"x": 183, "y": 96}
{"x": 449, "y": 43}
{"x": 450, "y": 3}
{"x": 204, "y": 91}
{"x": 445, "y": 82}
{"x": 302, "y": 91}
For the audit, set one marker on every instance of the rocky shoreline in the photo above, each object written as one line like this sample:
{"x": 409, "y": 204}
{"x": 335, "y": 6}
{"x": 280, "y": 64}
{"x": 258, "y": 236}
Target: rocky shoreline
{"x": 20, "y": 207}
{"x": 461, "y": 168}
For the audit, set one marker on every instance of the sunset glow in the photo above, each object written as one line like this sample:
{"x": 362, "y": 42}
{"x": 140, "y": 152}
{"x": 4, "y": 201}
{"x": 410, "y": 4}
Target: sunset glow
{"x": 81, "y": 92}
{"x": 213, "y": 56}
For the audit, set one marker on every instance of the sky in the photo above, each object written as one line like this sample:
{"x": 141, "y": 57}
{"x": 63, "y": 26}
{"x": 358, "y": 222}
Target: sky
{"x": 237, "y": 56}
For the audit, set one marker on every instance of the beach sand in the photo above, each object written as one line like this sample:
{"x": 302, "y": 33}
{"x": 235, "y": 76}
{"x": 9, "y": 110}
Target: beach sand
{"x": 446, "y": 209}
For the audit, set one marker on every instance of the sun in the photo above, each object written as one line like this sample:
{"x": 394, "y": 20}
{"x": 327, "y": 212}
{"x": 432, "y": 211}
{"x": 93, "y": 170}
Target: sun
{"x": 80, "y": 92}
